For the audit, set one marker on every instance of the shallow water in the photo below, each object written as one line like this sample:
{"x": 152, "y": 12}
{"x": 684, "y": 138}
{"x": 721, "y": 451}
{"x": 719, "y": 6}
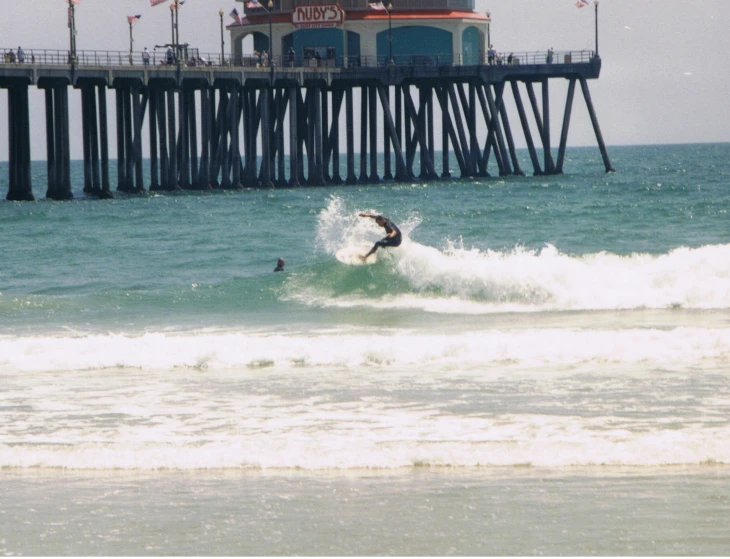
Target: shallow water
{"x": 513, "y": 511}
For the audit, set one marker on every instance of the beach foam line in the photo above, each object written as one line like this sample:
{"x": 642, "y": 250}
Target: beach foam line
{"x": 387, "y": 350}
{"x": 501, "y": 442}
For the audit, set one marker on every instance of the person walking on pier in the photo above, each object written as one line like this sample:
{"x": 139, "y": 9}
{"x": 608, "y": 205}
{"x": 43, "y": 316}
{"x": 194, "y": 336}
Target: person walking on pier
{"x": 21, "y": 55}
{"x": 146, "y": 57}
{"x": 392, "y": 238}
{"x": 491, "y": 54}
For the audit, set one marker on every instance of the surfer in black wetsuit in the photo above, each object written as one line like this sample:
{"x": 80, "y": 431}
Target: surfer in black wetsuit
{"x": 392, "y": 237}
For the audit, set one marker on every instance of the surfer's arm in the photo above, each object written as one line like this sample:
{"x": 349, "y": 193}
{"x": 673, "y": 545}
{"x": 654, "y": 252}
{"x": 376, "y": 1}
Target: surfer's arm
{"x": 368, "y": 215}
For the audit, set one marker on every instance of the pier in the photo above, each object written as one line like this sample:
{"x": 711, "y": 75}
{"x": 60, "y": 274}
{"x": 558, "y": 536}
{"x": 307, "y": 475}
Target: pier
{"x": 234, "y": 122}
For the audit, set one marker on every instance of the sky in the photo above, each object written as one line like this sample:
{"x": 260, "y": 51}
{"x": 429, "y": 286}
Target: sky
{"x": 665, "y": 76}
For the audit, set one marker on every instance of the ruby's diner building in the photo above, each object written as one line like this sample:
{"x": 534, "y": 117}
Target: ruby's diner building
{"x": 360, "y": 33}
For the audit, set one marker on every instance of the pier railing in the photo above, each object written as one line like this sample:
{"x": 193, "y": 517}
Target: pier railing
{"x": 105, "y": 58}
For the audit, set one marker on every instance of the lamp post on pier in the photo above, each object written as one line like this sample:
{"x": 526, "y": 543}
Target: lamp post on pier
{"x": 489, "y": 29}
{"x": 131, "y": 20}
{"x": 390, "y": 34}
{"x": 172, "y": 24}
{"x": 595, "y": 3}
{"x": 271, "y": 39}
{"x": 72, "y": 32}
{"x": 176, "y": 30}
{"x": 223, "y": 42}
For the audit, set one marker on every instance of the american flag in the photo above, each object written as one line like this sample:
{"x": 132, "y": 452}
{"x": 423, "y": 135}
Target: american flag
{"x": 253, "y": 4}
{"x": 155, "y": 2}
{"x": 236, "y": 17}
{"x": 76, "y": 1}
{"x": 581, "y": 3}
{"x": 377, "y": 6}
{"x": 134, "y": 19}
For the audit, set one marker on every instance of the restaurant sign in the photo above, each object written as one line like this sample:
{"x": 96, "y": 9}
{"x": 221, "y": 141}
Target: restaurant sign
{"x": 321, "y": 15}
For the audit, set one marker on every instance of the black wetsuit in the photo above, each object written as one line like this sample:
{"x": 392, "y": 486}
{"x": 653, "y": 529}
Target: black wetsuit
{"x": 393, "y": 241}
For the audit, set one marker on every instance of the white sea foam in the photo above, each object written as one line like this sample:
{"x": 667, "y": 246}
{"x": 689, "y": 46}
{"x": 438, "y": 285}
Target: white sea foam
{"x": 455, "y": 279}
{"x": 312, "y": 435}
{"x": 474, "y": 349}
{"x": 336, "y": 400}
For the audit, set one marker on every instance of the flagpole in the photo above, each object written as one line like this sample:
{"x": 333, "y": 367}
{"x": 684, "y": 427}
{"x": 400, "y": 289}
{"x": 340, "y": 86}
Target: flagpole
{"x": 172, "y": 24}
{"x": 595, "y": 2}
{"x": 223, "y": 42}
{"x": 177, "y": 28}
{"x": 72, "y": 32}
{"x": 131, "y": 43}
{"x": 390, "y": 35}
{"x": 345, "y": 49}
{"x": 271, "y": 40}
{"x": 489, "y": 30}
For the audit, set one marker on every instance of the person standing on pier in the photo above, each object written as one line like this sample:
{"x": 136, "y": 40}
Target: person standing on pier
{"x": 146, "y": 57}
{"x": 21, "y": 55}
{"x": 491, "y": 54}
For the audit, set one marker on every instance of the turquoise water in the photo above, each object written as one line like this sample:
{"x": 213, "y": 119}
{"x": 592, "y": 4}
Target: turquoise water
{"x": 544, "y": 359}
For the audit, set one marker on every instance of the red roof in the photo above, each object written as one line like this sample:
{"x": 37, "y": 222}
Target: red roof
{"x": 256, "y": 19}
{"x": 417, "y": 14}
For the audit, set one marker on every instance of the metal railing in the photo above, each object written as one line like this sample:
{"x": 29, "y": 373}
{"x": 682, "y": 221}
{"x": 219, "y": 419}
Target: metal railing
{"x": 108, "y": 58}
{"x": 420, "y": 60}
{"x": 159, "y": 59}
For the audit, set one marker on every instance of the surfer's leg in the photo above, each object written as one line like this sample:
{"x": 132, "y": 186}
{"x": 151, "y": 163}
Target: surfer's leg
{"x": 372, "y": 250}
{"x": 377, "y": 245}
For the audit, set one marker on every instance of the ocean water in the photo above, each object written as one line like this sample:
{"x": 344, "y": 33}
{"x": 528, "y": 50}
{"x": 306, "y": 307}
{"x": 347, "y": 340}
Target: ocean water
{"x": 542, "y": 367}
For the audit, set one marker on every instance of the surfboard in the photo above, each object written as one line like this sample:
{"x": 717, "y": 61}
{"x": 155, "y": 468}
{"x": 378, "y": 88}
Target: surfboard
{"x": 351, "y": 255}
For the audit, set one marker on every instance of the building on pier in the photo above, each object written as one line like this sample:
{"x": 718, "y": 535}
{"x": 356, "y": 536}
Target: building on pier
{"x": 358, "y": 32}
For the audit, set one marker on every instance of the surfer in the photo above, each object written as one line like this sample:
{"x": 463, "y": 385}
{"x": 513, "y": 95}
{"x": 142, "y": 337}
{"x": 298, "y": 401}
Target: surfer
{"x": 392, "y": 237}
{"x": 279, "y": 265}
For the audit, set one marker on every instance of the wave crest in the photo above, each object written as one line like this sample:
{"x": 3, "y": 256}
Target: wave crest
{"x": 459, "y": 279}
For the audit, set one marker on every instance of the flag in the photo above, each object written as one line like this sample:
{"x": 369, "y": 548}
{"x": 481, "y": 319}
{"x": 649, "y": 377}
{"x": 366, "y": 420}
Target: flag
{"x": 77, "y": 2}
{"x": 236, "y": 17}
{"x": 134, "y": 19}
{"x": 581, "y": 3}
{"x": 377, "y": 6}
{"x": 156, "y": 2}
{"x": 253, "y": 4}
